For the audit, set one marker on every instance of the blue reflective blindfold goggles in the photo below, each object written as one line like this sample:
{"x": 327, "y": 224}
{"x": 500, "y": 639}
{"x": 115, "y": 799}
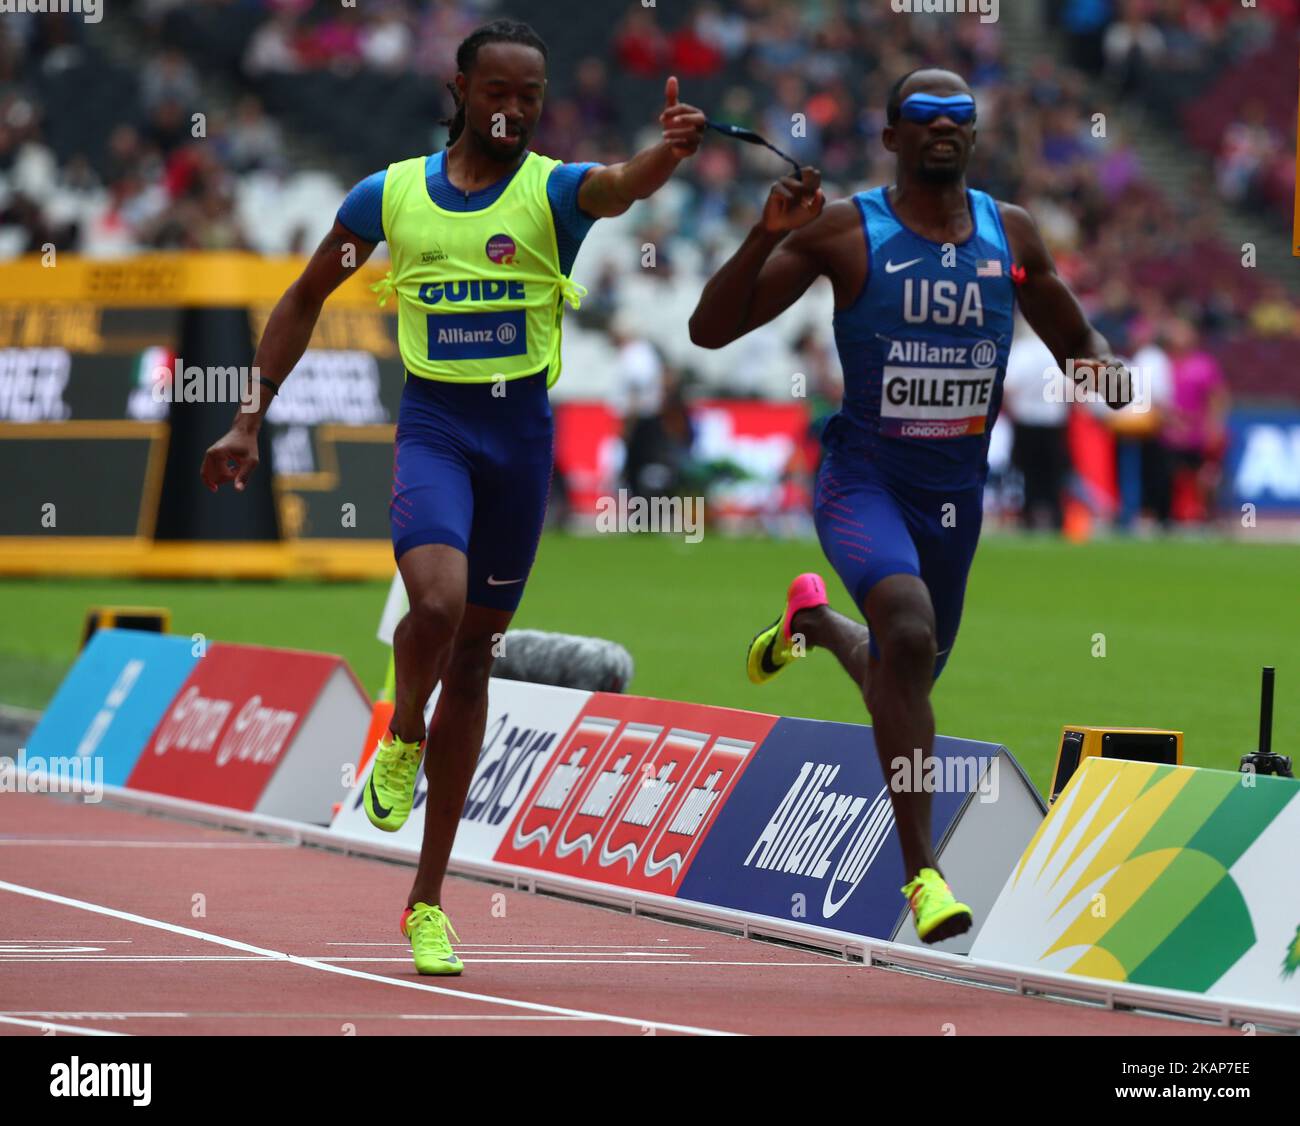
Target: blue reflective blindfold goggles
{"x": 924, "y": 108}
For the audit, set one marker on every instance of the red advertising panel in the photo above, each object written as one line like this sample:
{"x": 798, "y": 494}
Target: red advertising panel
{"x": 588, "y": 450}
{"x": 763, "y": 445}
{"x": 227, "y": 729}
{"x": 630, "y": 794}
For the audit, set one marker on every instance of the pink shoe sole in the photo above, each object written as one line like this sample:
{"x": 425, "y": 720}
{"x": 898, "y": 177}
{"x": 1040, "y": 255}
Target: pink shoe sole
{"x": 805, "y": 592}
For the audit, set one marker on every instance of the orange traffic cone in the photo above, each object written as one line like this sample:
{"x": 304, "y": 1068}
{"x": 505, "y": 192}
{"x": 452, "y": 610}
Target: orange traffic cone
{"x": 1078, "y": 521}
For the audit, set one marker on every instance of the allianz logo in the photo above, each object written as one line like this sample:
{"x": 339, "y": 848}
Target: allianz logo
{"x": 431, "y": 293}
{"x": 822, "y": 834}
{"x": 1270, "y": 463}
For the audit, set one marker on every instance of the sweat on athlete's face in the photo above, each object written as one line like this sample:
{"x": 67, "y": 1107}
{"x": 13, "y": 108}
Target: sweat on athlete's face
{"x": 507, "y": 79}
{"x": 938, "y": 150}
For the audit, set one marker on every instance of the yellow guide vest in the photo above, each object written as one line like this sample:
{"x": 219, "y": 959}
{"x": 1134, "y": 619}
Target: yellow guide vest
{"x": 480, "y": 295}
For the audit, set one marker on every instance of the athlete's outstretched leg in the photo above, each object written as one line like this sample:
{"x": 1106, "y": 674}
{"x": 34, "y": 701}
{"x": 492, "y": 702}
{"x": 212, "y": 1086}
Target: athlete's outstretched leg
{"x": 435, "y": 577}
{"x": 869, "y": 534}
{"x": 455, "y": 741}
{"x": 895, "y": 688}
{"x": 820, "y": 627}
{"x": 897, "y": 693}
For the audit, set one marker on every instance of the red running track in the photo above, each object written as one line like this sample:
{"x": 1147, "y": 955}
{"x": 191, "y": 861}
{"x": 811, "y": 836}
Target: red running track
{"x": 132, "y": 923}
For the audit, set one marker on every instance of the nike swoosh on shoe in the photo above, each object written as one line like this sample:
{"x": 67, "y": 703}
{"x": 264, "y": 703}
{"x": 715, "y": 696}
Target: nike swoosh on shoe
{"x": 380, "y": 811}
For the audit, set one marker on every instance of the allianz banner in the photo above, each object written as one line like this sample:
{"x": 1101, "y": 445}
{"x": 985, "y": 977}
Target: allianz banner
{"x": 1262, "y": 466}
{"x": 809, "y": 834}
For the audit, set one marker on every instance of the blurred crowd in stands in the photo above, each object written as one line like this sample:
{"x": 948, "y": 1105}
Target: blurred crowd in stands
{"x": 1153, "y": 273}
{"x": 1220, "y": 69}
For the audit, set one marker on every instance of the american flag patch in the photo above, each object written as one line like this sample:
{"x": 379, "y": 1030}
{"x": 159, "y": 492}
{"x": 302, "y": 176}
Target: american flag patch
{"x": 989, "y": 268}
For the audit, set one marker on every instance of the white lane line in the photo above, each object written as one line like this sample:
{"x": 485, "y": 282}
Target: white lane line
{"x": 70, "y": 1029}
{"x": 608, "y": 955}
{"x": 71, "y": 1015}
{"x": 824, "y": 964}
{"x": 494, "y": 1016}
{"x": 127, "y": 959}
{"x": 36, "y": 948}
{"x": 73, "y": 842}
{"x": 285, "y": 1016}
{"x": 132, "y": 959}
{"x": 507, "y": 946}
{"x": 344, "y": 971}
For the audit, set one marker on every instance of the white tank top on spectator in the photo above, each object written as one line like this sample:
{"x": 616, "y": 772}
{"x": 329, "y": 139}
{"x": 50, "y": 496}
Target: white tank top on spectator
{"x": 639, "y": 389}
{"x": 1035, "y": 391}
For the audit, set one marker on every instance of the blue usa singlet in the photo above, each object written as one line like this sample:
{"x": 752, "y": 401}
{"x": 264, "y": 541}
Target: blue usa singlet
{"x": 924, "y": 347}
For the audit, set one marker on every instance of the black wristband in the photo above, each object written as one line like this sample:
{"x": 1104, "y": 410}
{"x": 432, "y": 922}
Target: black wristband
{"x": 275, "y": 387}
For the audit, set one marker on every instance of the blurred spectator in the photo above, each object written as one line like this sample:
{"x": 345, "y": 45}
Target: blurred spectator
{"x": 1275, "y": 314}
{"x": 640, "y": 47}
{"x": 1248, "y": 147}
{"x": 1115, "y": 315}
{"x": 779, "y": 43}
{"x": 603, "y": 299}
{"x": 1132, "y": 46}
{"x": 1196, "y": 428}
{"x": 1084, "y": 22}
{"x": 639, "y": 400}
{"x": 253, "y": 141}
{"x": 169, "y": 126}
{"x": 726, "y": 30}
{"x": 788, "y": 124}
{"x": 170, "y": 78}
{"x": 597, "y": 110}
{"x": 273, "y": 48}
{"x": 823, "y": 384}
{"x": 1142, "y": 464}
{"x": 335, "y": 41}
{"x": 387, "y": 42}
{"x": 693, "y": 54}
{"x": 1035, "y": 397}
{"x": 439, "y": 31}
{"x": 29, "y": 164}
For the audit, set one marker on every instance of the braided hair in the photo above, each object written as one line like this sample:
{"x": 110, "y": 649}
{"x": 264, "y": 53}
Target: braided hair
{"x": 498, "y": 31}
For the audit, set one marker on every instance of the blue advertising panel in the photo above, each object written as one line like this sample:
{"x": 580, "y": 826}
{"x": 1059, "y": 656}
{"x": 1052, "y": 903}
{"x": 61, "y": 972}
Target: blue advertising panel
{"x": 1262, "y": 466}
{"x": 112, "y": 699}
{"x": 808, "y": 834}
